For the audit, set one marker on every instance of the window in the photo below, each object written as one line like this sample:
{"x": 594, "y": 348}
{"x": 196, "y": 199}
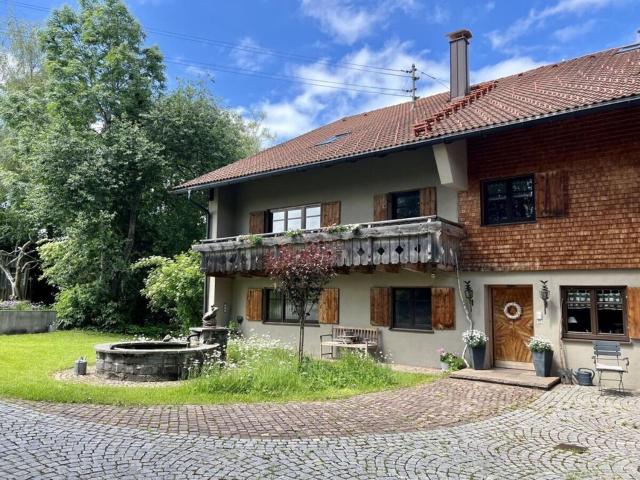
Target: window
{"x": 295, "y": 218}
{"x": 332, "y": 139}
{"x": 594, "y": 312}
{"x": 412, "y": 308}
{"x": 279, "y": 311}
{"x": 508, "y": 201}
{"x": 405, "y": 205}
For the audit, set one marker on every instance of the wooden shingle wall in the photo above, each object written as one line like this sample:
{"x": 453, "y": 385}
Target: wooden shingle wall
{"x": 600, "y": 225}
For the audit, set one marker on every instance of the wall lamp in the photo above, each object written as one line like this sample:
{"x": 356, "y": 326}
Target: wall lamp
{"x": 545, "y": 294}
{"x": 468, "y": 293}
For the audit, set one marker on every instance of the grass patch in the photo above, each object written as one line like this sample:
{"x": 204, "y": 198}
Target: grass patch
{"x": 259, "y": 371}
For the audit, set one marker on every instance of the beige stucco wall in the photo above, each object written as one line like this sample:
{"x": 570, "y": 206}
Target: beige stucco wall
{"x": 354, "y": 184}
{"x": 418, "y": 348}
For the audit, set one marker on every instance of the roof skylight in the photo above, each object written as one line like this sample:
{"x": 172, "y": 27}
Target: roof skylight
{"x": 332, "y": 138}
{"x": 628, "y": 48}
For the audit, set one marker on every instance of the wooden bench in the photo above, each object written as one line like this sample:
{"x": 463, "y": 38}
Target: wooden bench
{"x": 358, "y": 338}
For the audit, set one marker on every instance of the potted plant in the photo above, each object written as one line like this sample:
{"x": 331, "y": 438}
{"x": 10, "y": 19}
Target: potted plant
{"x": 442, "y": 353}
{"x": 477, "y": 343}
{"x": 449, "y": 361}
{"x": 542, "y": 351}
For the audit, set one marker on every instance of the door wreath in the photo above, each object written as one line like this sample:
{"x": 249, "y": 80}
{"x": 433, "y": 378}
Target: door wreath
{"x": 512, "y": 310}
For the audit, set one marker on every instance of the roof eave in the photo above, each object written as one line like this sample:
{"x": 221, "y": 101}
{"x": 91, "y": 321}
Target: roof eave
{"x": 603, "y": 106}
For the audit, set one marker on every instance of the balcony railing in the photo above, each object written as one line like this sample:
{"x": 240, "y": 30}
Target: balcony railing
{"x": 427, "y": 242}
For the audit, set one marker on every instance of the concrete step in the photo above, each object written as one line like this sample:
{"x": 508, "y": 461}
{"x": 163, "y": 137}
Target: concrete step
{"x": 507, "y": 376}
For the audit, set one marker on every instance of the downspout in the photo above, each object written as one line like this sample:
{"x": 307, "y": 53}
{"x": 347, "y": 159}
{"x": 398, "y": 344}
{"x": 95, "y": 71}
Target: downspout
{"x": 205, "y": 300}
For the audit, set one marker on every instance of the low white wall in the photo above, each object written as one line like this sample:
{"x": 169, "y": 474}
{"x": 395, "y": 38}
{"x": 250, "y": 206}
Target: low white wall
{"x": 19, "y": 321}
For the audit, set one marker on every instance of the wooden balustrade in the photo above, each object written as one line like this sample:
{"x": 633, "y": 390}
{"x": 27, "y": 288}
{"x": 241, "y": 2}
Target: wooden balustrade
{"x": 421, "y": 241}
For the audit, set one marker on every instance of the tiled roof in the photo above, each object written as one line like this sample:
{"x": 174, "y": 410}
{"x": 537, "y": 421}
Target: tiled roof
{"x": 578, "y": 83}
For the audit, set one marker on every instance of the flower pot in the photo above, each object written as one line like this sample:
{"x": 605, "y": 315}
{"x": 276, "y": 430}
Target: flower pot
{"x": 444, "y": 366}
{"x": 542, "y": 363}
{"x": 477, "y": 357}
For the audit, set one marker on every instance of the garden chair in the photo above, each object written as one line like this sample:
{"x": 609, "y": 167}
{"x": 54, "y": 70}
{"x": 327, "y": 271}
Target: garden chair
{"x": 607, "y": 359}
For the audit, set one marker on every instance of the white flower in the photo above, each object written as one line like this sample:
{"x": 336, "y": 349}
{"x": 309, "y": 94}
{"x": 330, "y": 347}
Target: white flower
{"x": 474, "y": 338}
{"x": 540, "y": 344}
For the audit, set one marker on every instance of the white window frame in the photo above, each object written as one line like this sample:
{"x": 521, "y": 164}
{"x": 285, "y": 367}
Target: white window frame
{"x": 303, "y": 216}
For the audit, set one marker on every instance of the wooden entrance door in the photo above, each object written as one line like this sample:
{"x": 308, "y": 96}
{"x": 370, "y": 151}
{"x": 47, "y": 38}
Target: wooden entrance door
{"x": 512, "y": 329}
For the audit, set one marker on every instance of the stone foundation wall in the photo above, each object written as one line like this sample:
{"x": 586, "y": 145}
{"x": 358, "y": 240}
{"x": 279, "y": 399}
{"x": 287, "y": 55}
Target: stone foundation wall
{"x": 149, "y": 365}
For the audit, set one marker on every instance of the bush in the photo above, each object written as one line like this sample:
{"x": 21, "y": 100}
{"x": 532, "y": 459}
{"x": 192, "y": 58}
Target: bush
{"x": 174, "y": 286}
{"x": 21, "y": 305}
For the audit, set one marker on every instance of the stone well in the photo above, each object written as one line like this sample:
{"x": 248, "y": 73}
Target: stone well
{"x": 149, "y": 361}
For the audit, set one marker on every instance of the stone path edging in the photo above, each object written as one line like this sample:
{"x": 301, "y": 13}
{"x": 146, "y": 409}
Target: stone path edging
{"x": 442, "y": 403}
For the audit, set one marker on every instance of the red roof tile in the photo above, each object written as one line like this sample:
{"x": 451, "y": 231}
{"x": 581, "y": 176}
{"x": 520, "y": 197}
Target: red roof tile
{"x": 579, "y": 83}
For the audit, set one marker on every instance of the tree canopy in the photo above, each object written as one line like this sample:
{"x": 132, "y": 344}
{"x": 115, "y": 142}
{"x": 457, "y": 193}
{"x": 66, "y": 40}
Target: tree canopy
{"x": 90, "y": 144}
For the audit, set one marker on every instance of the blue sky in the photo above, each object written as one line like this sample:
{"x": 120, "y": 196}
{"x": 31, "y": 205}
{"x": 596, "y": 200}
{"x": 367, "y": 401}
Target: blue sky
{"x": 307, "y": 38}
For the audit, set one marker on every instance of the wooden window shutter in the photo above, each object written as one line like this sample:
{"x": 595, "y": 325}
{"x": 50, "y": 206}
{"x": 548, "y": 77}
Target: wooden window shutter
{"x": 329, "y": 306}
{"x": 633, "y": 312}
{"x": 254, "y": 305}
{"x": 329, "y": 214}
{"x": 551, "y": 193}
{"x": 258, "y": 222}
{"x": 443, "y": 316}
{"x": 428, "y": 201}
{"x": 381, "y": 207}
{"x": 381, "y": 306}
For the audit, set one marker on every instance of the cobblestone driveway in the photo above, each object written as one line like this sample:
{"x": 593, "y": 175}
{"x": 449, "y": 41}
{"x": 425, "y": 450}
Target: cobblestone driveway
{"x": 521, "y": 443}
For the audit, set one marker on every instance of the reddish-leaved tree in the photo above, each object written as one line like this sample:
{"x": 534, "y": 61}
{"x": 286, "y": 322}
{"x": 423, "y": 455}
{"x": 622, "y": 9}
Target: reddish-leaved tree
{"x": 300, "y": 273}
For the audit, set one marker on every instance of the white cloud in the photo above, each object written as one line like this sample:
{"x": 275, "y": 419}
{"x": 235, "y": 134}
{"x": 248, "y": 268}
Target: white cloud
{"x": 248, "y": 55}
{"x": 571, "y": 32}
{"x": 349, "y": 21}
{"x": 311, "y": 105}
{"x": 439, "y": 15}
{"x": 536, "y": 18}
{"x": 489, "y": 6}
{"x": 286, "y": 119}
{"x": 504, "y": 69}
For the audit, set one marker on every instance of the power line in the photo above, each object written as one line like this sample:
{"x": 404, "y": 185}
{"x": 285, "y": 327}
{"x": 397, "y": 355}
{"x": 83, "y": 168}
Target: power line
{"x": 264, "y": 51}
{"x": 434, "y": 78}
{"x": 250, "y": 49}
{"x": 313, "y": 82}
{"x": 297, "y": 77}
{"x": 291, "y": 78}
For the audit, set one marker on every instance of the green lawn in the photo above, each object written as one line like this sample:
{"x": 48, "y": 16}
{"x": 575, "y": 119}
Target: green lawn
{"x": 27, "y": 362}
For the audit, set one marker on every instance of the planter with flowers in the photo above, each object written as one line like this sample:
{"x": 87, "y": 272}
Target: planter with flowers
{"x": 477, "y": 343}
{"x": 450, "y": 361}
{"x": 542, "y": 351}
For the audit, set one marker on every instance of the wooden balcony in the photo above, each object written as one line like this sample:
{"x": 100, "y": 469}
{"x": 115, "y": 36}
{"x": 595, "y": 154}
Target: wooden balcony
{"x": 421, "y": 243}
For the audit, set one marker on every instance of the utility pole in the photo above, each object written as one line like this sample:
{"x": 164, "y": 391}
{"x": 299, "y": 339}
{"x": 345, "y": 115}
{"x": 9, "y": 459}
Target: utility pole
{"x": 414, "y": 80}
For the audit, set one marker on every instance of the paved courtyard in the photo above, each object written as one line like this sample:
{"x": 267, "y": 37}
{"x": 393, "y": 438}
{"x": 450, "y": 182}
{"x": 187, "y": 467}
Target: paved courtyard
{"x": 509, "y": 432}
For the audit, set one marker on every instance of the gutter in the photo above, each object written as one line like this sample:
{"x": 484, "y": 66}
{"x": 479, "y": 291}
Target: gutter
{"x": 205, "y": 300}
{"x": 575, "y": 112}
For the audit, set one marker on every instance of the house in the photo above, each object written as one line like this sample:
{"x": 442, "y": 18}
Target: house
{"x": 526, "y": 179}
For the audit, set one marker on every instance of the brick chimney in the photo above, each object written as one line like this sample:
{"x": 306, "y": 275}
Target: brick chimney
{"x": 459, "y": 67}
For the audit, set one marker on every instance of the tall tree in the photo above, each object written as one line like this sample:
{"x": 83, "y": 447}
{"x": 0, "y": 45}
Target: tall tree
{"x": 102, "y": 143}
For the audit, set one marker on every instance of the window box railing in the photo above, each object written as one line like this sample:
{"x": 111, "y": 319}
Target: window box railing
{"x": 427, "y": 241}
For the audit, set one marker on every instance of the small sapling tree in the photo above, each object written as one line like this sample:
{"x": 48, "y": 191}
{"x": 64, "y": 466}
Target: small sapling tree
{"x": 300, "y": 274}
